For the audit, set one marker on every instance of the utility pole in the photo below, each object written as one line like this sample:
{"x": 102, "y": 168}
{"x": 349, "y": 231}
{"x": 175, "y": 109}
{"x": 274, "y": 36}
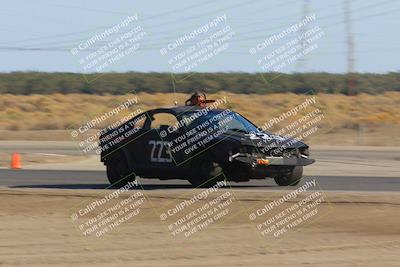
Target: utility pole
{"x": 351, "y": 81}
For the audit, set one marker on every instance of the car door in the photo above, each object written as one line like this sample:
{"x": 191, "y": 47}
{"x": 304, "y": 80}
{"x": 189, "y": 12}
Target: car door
{"x": 154, "y": 154}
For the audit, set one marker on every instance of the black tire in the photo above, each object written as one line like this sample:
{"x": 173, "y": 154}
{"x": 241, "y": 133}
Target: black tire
{"x": 291, "y": 177}
{"x": 206, "y": 172}
{"x": 118, "y": 171}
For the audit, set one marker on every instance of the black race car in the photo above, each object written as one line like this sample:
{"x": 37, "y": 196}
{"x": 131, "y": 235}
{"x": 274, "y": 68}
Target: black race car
{"x": 202, "y": 145}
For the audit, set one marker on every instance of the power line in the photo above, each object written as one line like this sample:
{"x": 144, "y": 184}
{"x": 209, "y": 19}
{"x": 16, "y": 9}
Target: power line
{"x": 158, "y": 41}
{"x": 61, "y": 35}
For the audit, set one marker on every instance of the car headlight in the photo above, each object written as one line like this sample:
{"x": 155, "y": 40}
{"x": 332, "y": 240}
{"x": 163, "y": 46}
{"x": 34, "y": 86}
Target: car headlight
{"x": 305, "y": 152}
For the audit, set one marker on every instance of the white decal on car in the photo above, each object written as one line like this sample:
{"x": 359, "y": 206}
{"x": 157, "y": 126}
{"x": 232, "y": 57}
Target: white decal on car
{"x": 156, "y": 154}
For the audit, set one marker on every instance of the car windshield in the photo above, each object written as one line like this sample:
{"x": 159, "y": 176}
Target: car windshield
{"x": 226, "y": 119}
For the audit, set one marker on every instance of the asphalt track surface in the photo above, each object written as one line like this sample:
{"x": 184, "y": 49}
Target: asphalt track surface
{"x": 97, "y": 180}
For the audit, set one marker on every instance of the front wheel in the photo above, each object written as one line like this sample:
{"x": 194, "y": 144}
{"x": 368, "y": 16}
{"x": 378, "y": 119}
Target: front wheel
{"x": 290, "y": 177}
{"x": 118, "y": 172}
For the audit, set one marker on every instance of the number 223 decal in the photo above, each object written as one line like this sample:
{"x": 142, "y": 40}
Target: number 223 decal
{"x": 156, "y": 154}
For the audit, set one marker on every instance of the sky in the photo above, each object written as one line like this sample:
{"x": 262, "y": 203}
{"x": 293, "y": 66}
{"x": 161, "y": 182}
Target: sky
{"x": 164, "y": 36}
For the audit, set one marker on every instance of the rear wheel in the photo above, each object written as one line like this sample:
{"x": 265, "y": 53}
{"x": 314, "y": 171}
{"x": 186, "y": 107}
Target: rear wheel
{"x": 292, "y": 176}
{"x": 206, "y": 172}
{"x": 118, "y": 171}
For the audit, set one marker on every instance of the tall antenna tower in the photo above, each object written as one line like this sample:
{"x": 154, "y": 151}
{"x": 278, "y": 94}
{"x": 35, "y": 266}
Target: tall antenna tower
{"x": 306, "y": 11}
{"x": 350, "y": 47}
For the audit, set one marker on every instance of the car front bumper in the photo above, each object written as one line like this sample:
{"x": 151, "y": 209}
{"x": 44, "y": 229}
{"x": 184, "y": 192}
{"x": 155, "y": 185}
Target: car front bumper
{"x": 271, "y": 161}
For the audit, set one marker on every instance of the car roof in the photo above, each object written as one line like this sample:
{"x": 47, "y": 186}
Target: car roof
{"x": 180, "y": 109}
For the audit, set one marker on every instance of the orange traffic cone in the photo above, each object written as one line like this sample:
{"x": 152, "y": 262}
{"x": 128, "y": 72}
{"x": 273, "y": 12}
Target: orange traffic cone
{"x": 15, "y": 161}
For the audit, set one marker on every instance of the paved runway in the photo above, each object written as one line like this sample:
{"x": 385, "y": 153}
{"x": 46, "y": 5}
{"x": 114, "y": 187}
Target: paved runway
{"x": 98, "y": 180}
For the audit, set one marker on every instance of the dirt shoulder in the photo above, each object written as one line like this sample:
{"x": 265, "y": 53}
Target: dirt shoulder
{"x": 29, "y": 159}
{"x": 350, "y": 229}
